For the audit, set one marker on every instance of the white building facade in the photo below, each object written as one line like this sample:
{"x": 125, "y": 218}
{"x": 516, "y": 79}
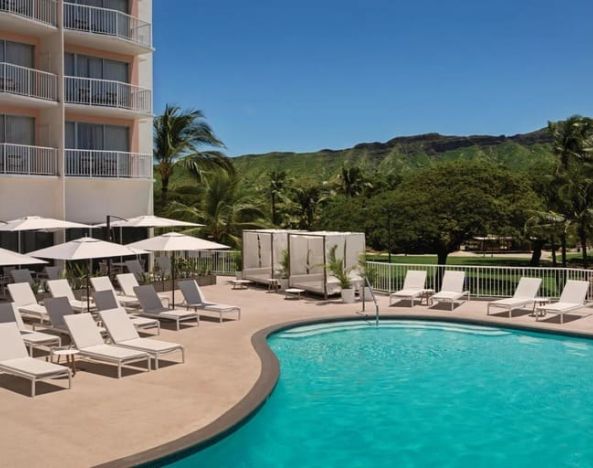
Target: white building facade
{"x": 76, "y": 109}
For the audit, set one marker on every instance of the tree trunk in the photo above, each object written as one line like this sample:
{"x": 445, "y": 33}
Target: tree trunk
{"x": 442, "y": 257}
{"x": 274, "y": 209}
{"x": 441, "y": 260}
{"x": 563, "y": 249}
{"x": 537, "y": 253}
{"x": 164, "y": 188}
{"x": 554, "y": 262}
{"x": 583, "y": 239}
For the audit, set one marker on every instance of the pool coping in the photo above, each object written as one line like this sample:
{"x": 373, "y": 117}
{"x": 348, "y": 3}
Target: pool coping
{"x": 256, "y": 397}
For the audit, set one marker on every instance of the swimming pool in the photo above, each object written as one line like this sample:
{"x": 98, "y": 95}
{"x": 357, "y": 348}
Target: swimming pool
{"x": 412, "y": 393}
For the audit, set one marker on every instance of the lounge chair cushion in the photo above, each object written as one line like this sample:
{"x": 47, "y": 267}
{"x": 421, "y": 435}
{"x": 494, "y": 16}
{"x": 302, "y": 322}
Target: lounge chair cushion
{"x": 409, "y": 293}
{"x": 112, "y": 351}
{"x": 447, "y": 295}
{"x": 150, "y": 345}
{"x": 562, "y": 307}
{"x": 32, "y": 366}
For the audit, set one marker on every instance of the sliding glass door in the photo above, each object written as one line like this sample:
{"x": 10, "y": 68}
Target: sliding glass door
{"x": 102, "y": 149}
{"x": 15, "y": 131}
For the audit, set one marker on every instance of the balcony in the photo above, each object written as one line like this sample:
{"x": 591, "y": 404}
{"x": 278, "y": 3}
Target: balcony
{"x": 108, "y": 164}
{"x": 36, "y": 16}
{"x": 103, "y": 28}
{"x": 27, "y": 86}
{"x": 107, "y": 97}
{"x": 28, "y": 160}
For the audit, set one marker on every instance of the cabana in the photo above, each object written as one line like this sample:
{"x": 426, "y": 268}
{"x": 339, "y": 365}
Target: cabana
{"x": 309, "y": 255}
{"x": 263, "y": 250}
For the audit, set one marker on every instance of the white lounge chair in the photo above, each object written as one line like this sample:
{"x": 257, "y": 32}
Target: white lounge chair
{"x": 33, "y": 339}
{"x": 193, "y": 298}
{"x": 58, "y": 308}
{"x": 414, "y": 287}
{"x": 153, "y": 307}
{"x": 61, "y": 288}
{"x": 525, "y": 294}
{"x": 135, "y": 268}
{"x": 87, "y": 339}
{"x": 452, "y": 289}
{"x": 572, "y": 298}
{"x": 22, "y": 276}
{"x": 103, "y": 283}
{"x": 122, "y": 332}
{"x": 107, "y": 300}
{"x": 15, "y": 360}
{"x": 26, "y": 303}
{"x": 127, "y": 282}
{"x": 52, "y": 272}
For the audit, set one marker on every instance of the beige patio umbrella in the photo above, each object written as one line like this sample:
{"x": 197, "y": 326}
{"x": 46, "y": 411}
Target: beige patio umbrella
{"x": 85, "y": 248}
{"x": 38, "y": 223}
{"x": 8, "y": 258}
{"x": 175, "y": 242}
{"x": 149, "y": 221}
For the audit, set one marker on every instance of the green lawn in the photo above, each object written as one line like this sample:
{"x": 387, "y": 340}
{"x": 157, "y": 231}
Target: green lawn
{"x": 477, "y": 260}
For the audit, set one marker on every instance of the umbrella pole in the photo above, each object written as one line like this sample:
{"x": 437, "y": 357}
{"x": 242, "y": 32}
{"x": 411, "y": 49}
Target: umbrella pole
{"x": 173, "y": 279}
{"x": 88, "y": 288}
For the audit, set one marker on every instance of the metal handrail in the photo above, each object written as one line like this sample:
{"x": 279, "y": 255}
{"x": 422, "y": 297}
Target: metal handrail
{"x": 368, "y": 285}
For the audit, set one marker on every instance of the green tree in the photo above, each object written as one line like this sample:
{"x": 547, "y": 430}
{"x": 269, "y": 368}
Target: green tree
{"x": 572, "y": 140}
{"x": 573, "y": 146}
{"x": 277, "y": 185}
{"x": 352, "y": 181}
{"x": 436, "y": 209}
{"x": 308, "y": 198}
{"x": 223, "y": 208}
{"x": 179, "y": 136}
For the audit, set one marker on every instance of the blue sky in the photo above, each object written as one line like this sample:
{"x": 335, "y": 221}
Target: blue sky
{"x": 274, "y": 75}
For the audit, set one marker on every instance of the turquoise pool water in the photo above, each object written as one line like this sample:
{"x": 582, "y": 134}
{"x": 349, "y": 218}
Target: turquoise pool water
{"x": 415, "y": 394}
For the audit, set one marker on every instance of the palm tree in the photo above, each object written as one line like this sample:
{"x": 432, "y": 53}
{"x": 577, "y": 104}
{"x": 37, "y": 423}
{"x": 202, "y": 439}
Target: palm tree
{"x": 572, "y": 140}
{"x": 222, "y": 207}
{"x": 277, "y": 182}
{"x": 578, "y": 191}
{"x": 353, "y": 181}
{"x": 550, "y": 225}
{"x": 178, "y": 137}
{"x": 307, "y": 198}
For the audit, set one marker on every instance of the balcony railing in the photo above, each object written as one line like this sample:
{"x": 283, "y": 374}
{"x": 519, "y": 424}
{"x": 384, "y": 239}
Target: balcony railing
{"x": 24, "y": 81}
{"x": 28, "y": 160}
{"x": 107, "y": 22}
{"x": 107, "y": 93}
{"x": 113, "y": 164}
{"x": 44, "y": 11}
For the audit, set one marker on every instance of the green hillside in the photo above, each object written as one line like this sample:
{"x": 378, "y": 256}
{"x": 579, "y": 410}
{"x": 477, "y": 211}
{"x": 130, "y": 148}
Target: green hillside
{"x": 519, "y": 152}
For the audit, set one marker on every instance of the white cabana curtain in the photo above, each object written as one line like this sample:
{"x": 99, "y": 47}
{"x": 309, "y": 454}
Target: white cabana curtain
{"x": 306, "y": 254}
{"x": 257, "y": 249}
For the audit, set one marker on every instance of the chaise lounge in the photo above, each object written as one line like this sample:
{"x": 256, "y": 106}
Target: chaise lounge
{"x": 452, "y": 290}
{"x": 524, "y": 294}
{"x": 414, "y": 287}
{"x": 15, "y": 360}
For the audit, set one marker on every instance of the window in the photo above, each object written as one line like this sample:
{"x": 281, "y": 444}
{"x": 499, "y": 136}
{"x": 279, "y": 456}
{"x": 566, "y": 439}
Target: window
{"x": 80, "y": 135}
{"x": 17, "y": 129}
{"x": 17, "y": 53}
{"x": 94, "y": 67}
{"x": 119, "y": 5}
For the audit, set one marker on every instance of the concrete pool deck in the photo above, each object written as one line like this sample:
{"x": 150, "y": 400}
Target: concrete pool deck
{"x": 103, "y": 419}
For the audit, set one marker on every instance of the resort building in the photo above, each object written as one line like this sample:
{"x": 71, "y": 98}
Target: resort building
{"x": 75, "y": 109}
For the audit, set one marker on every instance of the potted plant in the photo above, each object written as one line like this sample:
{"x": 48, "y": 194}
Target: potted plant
{"x": 284, "y": 269}
{"x": 337, "y": 268}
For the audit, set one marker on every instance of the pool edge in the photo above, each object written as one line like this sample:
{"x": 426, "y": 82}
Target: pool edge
{"x": 248, "y": 406}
